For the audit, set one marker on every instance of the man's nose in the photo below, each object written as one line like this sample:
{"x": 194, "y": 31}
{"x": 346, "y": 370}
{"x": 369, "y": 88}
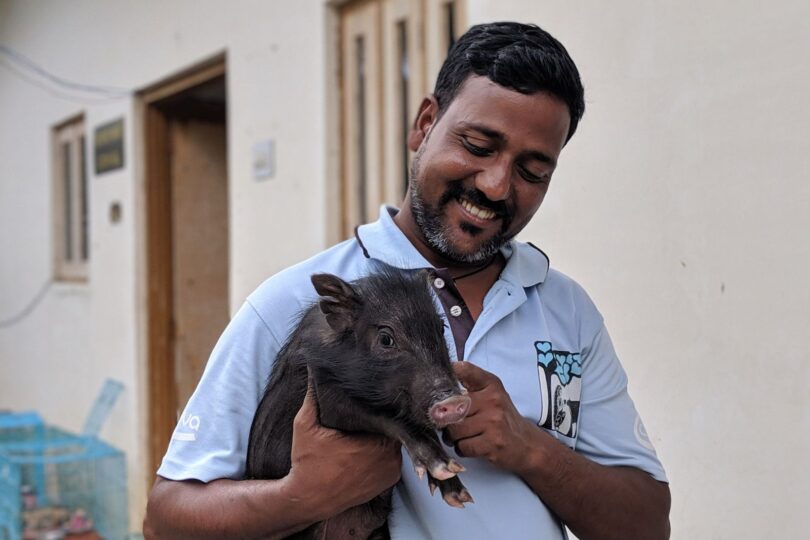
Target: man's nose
{"x": 495, "y": 181}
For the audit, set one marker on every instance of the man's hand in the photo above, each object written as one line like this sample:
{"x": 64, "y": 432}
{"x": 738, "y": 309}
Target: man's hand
{"x": 593, "y": 500}
{"x": 493, "y": 429}
{"x": 333, "y": 471}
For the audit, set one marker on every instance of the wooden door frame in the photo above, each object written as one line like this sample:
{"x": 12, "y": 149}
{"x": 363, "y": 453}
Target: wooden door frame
{"x": 349, "y": 207}
{"x": 161, "y": 399}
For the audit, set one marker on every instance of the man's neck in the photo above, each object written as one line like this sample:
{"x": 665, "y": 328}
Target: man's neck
{"x": 473, "y": 281}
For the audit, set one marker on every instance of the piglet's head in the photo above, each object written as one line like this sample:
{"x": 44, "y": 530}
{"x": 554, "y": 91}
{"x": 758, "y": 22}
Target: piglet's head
{"x": 387, "y": 347}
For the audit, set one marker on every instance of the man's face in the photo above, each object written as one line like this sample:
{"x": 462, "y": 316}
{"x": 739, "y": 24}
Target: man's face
{"x": 481, "y": 170}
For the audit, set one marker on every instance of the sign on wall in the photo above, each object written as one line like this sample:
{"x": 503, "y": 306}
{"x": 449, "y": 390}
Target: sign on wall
{"x": 108, "y": 144}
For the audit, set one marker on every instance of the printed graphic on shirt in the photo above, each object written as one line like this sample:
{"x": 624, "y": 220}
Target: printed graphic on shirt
{"x": 186, "y": 427}
{"x": 560, "y": 375}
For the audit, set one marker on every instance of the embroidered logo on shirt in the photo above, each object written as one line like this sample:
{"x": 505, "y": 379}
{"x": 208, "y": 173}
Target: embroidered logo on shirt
{"x": 560, "y": 375}
{"x": 189, "y": 421}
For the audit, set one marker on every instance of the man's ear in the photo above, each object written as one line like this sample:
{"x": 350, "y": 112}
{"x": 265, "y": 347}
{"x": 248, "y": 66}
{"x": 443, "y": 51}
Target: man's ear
{"x": 425, "y": 118}
{"x": 339, "y": 301}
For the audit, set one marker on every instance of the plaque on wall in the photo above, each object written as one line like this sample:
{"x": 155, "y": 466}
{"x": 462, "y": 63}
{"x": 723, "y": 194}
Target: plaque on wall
{"x": 108, "y": 144}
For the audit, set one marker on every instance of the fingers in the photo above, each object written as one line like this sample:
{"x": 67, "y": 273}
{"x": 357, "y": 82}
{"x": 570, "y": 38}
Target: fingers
{"x": 308, "y": 413}
{"x": 472, "y": 447}
{"x": 447, "y": 438}
{"x": 473, "y": 377}
{"x": 463, "y": 430}
{"x": 464, "y": 447}
{"x": 461, "y": 436}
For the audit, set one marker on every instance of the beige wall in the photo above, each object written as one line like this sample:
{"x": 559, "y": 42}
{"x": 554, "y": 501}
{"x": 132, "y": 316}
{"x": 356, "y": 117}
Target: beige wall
{"x": 681, "y": 205}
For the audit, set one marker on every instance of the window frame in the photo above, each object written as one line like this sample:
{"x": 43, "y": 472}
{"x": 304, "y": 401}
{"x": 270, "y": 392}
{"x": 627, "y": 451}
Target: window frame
{"x": 70, "y": 201}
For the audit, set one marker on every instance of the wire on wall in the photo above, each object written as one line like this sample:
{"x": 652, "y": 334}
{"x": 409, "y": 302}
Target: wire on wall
{"x": 32, "y": 73}
{"x": 27, "y": 310}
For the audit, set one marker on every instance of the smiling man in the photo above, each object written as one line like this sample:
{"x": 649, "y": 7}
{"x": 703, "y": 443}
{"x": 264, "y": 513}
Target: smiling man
{"x": 552, "y": 437}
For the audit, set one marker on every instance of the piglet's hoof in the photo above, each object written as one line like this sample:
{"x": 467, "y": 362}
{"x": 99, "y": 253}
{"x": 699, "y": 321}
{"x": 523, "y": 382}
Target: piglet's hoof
{"x": 454, "y": 493}
{"x": 443, "y": 471}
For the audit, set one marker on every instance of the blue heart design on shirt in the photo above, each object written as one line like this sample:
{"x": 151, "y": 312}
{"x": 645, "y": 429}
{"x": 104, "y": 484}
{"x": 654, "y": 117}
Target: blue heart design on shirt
{"x": 543, "y": 346}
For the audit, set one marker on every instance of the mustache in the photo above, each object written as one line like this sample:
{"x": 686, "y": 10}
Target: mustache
{"x": 457, "y": 191}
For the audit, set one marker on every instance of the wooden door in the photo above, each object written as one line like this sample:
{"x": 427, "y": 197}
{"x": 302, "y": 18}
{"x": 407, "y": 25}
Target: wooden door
{"x": 404, "y": 87}
{"x": 187, "y": 259}
{"x": 200, "y": 248}
{"x": 360, "y": 45}
{"x": 390, "y": 52}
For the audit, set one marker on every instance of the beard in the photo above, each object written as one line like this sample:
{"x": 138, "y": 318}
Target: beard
{"x": 430, "y": 220}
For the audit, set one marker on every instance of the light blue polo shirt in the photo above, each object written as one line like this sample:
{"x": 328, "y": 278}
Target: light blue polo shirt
{"x": 538, "y": 332}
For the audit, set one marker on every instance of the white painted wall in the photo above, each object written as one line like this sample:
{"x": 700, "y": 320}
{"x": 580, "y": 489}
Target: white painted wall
{"x": 56, "y": 359}
{"x": 683, "y": 206}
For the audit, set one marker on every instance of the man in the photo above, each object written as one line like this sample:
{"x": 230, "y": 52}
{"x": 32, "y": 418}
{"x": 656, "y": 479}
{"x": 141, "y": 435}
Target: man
{"x": 552, "y": 436}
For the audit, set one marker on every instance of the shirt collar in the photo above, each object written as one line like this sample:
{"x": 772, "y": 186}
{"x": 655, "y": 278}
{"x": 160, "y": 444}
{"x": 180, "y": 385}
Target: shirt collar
{"x": 383, "y": 240}
{"x": 526, "y": 264}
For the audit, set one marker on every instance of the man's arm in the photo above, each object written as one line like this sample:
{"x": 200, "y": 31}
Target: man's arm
{"x": 330, "y": 473}
{"x": 222, "y": 509}
{"x": 593, "y": 500}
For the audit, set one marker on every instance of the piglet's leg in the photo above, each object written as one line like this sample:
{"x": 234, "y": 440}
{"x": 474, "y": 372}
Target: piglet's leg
{"x": 427, "y": 453}
{"x": 441, "y": 471}
{"x": 429, "y": 456}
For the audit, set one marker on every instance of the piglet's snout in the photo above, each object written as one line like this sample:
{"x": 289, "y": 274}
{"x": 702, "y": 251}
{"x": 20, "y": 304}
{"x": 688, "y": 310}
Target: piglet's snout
{"x": 450, "y": 410}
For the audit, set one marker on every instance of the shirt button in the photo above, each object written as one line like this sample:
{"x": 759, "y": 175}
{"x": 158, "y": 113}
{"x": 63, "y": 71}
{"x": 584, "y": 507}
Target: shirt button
{"x": 455, "y": 311}
{"x": 438, "y": 283}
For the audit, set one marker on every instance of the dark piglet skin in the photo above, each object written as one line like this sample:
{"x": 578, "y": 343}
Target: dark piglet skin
{"x": 375, "y": 354}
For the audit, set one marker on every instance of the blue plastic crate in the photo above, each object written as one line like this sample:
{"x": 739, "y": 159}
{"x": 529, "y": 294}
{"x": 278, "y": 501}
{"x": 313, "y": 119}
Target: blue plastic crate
{"x": 63, "y": 470}
{"x": 28, "y": 427}
{"x": 68, "y": 471}
{"x": 21, "y": 426}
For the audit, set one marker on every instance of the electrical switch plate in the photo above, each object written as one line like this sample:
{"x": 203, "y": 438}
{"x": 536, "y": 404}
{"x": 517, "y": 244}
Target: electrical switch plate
{"x": 264, "y": 159}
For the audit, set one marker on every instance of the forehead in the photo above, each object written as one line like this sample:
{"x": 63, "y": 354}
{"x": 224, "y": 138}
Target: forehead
{"x": 539, "y": 117}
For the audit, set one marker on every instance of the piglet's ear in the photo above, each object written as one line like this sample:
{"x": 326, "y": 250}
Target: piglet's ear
{"x": 339, "y": 301}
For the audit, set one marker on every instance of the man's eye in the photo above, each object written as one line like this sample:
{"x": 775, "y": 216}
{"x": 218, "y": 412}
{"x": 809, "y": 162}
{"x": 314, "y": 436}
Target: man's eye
{"x": 529, "y": 176}
{"x": 474, "y": 149}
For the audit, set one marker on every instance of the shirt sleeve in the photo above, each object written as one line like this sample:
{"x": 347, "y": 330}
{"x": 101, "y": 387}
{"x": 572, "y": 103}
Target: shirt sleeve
{"x": 210, "y": 440}
{"x": 611, "y": 431}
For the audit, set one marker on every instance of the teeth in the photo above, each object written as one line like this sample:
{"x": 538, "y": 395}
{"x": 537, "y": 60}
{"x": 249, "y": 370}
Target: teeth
{"x": 477, "y": 211}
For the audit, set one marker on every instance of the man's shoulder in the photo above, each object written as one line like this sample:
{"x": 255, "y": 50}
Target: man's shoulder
{"x": 290, "y": 290}
{"x": 534, "y": 267}
{"x": 566, "y": 298}
{"x": 563, "y": 283}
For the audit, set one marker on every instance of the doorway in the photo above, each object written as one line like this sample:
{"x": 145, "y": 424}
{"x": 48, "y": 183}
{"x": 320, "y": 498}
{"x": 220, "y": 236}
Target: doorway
{"x": 187, "y": 249}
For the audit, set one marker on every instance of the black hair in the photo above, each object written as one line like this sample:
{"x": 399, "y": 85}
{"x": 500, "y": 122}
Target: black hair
{"x": 522, "y": 57}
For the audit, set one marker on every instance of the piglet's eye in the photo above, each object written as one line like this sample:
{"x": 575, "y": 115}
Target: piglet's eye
{"x": 386, "y": 339}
